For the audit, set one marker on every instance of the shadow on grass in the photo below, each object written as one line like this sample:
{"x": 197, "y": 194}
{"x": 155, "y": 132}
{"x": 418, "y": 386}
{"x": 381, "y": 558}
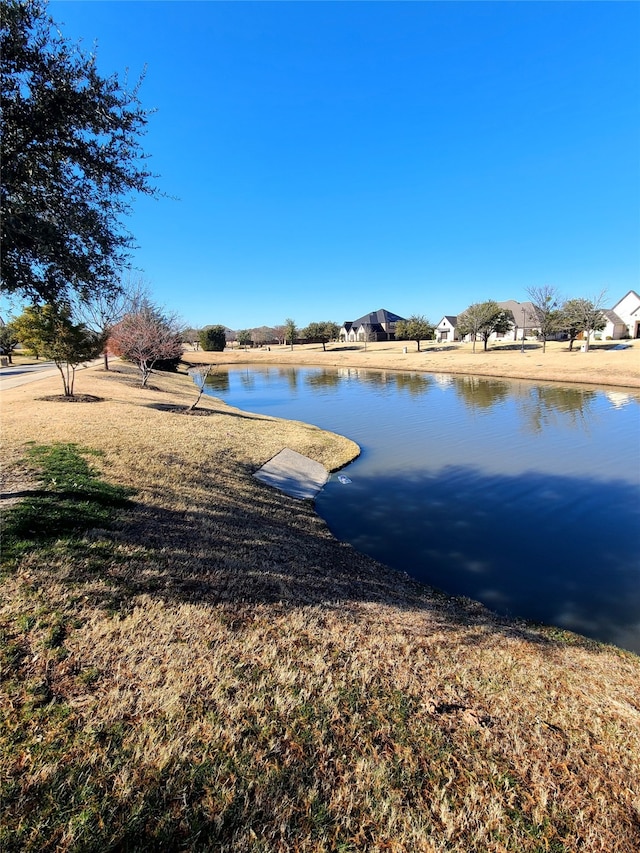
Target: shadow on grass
{"x": 238, "y": 542}
{"x": 253, "y": 545}
{"x": 185, "y": 410}
{"x": 74, "y": 498}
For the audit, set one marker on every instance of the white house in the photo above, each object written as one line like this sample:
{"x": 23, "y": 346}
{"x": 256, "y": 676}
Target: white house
{"x": 446, "y": 329}
{"x": 524, "y": 322}
{"x": 623, "y": 320}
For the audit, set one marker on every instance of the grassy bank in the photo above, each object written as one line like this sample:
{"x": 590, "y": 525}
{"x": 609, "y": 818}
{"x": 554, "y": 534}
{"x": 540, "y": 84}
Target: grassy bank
{"x": 193, "y": 662}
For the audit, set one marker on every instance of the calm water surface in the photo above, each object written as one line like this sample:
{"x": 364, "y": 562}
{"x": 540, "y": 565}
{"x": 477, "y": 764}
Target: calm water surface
{"x": 525, "y": 497}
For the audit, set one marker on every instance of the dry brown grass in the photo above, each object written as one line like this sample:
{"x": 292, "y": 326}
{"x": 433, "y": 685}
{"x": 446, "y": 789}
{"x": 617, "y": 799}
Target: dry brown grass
{"x": 217, "y": 672}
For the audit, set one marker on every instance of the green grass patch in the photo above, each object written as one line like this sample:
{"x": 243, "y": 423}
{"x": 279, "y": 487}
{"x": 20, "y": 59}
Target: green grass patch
{"x": 73, "y": 498}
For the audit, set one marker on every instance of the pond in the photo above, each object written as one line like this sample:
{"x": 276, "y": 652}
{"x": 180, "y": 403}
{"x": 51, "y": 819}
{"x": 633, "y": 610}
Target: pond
{"x": 525, "y": 497}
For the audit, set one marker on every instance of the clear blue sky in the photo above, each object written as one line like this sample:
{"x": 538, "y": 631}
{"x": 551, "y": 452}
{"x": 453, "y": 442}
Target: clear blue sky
{"x": 330, "y": 159}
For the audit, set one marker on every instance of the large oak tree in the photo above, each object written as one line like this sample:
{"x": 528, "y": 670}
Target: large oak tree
{"x": 72, "y": 161}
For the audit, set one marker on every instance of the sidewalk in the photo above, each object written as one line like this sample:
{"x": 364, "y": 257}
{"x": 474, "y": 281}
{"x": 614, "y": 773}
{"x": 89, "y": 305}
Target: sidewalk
{"x": 15, "y": 375}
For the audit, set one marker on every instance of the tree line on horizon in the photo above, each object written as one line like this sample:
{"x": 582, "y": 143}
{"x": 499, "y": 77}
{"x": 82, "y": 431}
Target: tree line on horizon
{"x": 549, "y": 316}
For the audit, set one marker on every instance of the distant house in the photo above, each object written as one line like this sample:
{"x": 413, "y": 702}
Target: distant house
{"x": 524, "y": 322}
{"x": 376, "y": 326}
{"x": 615, "y": 327}
{"x": 623, "y": 320}
{"x": 446, "y": 329}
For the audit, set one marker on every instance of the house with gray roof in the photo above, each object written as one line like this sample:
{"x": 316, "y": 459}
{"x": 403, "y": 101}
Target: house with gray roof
{"x": 524, "y": 322}
{"x": 377, "y": 326}
{"x": 446, "y": 329}
{"x": 623, "y": 320}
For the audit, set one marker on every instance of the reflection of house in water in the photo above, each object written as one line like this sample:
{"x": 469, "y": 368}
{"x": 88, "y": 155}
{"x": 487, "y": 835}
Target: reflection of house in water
{"x": 377, "y": 326}
{"x": 444, "y": 380}
{"x": 618, "y": 399}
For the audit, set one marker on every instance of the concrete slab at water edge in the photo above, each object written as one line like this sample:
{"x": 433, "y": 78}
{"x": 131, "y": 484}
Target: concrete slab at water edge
{"x": 294, "y": 474}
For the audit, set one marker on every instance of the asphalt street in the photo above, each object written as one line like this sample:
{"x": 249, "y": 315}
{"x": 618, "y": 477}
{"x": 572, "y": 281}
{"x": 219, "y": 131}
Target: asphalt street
{"x": 19, "y": 374}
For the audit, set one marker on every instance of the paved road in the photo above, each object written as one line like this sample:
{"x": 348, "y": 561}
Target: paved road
{"x": 19, "y": 374}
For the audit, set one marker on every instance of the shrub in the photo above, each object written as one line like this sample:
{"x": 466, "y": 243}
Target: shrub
{"x": 213, "y": 339}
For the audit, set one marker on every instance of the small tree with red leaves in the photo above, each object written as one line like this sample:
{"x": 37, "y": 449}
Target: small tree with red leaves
{"x": 147, "y": 336}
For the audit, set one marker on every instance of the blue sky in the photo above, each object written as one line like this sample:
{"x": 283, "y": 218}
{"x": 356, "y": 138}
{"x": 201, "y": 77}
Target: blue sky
{"x": 332, "y": 158}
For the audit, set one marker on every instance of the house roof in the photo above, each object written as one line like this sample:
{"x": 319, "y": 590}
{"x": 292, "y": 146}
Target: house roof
{"x": 508, "y": 305}
{"x": 381, "y": 317}
{"x": 517, "y": 308}
{"x": 611, "y": 315}
{"x": 629, "y": 293}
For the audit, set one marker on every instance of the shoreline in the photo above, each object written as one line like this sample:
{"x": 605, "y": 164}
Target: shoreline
{"x": 601, "y": 366}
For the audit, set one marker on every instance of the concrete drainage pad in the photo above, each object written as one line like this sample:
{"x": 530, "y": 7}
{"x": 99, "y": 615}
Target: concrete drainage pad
{"x": 294, "y": 474}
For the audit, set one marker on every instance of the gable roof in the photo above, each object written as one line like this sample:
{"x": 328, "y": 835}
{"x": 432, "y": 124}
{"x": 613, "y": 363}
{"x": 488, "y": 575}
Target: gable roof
{"x": 611, "y": 315}
{"x": 517, "y": 308}
{"x": 626, "y": 296}
{"x": 380, "y": 317}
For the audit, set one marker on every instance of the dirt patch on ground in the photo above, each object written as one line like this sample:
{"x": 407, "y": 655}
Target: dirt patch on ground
{"x": 73, "y": 398}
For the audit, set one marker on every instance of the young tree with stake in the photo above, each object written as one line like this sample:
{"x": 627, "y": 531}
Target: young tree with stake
{"x": 50, "y": 331}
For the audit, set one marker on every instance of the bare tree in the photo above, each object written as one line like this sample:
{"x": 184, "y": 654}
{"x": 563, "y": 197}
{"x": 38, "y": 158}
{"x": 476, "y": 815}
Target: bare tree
{"x": 366, "y": 334}
{"x": 103, "y": 310}
{"x": 280, "y": 333}
{"x": 546, "y": 307}
{"x": 147, "y": 336}
{"x": 200, "y": 374}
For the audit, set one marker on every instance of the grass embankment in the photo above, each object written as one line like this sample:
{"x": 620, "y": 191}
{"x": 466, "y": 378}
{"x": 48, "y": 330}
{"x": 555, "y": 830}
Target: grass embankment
{"x": 206, "y": 668}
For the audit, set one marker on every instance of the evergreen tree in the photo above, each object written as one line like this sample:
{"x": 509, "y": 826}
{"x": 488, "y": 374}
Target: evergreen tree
{"x": 71, "y": 161}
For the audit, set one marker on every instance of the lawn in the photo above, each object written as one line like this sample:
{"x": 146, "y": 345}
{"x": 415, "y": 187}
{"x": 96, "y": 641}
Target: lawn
{"x": 190, "y": 661}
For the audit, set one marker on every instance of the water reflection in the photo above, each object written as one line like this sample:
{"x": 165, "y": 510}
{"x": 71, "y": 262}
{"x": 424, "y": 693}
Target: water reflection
{"x": 544, "y": 548}
{"x": 479, "y": 393}
{"x": 217, "y": 382}
{"x": 548, "y": 405}
{"x": 323, "y": 379}
{"x": 525, "y": 497}
{"x": 415, "y": 383}
{"x": 248, "y": 380}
